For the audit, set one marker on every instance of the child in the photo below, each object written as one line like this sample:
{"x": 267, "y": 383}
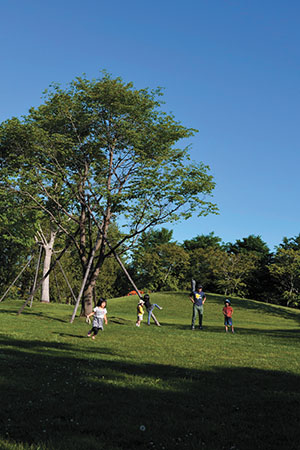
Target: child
{"x": 99, "y": 314}
{"x": 140, "y": 313}
{"x": 228, "y": 311}
{"x": 150, "y": 307}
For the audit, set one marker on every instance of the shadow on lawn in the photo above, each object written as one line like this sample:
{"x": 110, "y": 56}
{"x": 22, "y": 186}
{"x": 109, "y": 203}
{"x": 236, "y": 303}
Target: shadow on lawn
{"x": 42, "y": 315}
{"x": 120, "y": 320}
{"x": 95, "y": 403}
{"x": 258, "y": 307}
{"x": 78, "y": 336}
{"x": 187, "y": 327}
{"x": 278, "y": 333}
{"x": 28, "y": 312}
{"x": 34, "y": 345}
{"x": 266, "y": 308}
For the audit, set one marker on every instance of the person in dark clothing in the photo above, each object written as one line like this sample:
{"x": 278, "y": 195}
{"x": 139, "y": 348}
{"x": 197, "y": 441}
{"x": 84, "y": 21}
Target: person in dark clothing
{"x": 149, "y": 307}
{"x": 198, "y": 299}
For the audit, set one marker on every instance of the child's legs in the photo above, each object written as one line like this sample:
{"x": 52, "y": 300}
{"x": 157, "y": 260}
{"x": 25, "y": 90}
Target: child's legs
{"x": 149, "y": 314}
{"x": 96, "y": 329}
{"x": 139, "y": 319}
{"x": 228, "y": 323}
{"x": 156, "y": 306}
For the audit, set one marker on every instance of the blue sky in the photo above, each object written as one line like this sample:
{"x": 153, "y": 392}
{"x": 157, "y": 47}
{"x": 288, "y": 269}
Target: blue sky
{"x": 230, "y": 68}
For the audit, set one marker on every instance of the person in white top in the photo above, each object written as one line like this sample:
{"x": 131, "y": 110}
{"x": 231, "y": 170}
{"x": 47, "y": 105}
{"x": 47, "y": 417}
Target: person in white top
{"x": 99, "y": 313}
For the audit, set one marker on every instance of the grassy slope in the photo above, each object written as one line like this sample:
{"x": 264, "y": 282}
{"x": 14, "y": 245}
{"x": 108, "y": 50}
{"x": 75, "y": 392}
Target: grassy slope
{"x": 190, "y": 389}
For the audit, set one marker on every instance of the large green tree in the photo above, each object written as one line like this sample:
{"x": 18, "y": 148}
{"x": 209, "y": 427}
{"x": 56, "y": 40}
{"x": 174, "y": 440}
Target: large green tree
{"x": 203, "y": 241}
{"x": 231, "y": 270}
{"x": 290, "y": 243}
{"x": 258, "y": 283}
{"x": 199, "y": 250}
{"x": 158, "y": 263}
{"x": 17, "y": 231}
{"x": 102, "y": 151}
{"x": 285, "y": 270}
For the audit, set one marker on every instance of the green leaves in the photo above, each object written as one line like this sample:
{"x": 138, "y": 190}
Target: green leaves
{"x": 285, "y": 270}
{"x": 101, "y": 150}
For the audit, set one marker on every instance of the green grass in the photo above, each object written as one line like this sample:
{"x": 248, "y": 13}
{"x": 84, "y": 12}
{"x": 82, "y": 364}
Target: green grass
{"x": 190, "y": 389}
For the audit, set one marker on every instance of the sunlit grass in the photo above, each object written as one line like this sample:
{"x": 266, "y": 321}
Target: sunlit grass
{"x": 189, "y": 389}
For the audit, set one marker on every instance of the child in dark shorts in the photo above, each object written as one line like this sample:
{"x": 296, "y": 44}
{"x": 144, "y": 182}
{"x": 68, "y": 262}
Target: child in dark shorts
{"x": 227, "y": 312}
{"x": 99, "y": 313}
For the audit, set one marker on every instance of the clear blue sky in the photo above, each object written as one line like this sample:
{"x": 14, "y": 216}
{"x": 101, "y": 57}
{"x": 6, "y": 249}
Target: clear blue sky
{"x": 230, "y": 68}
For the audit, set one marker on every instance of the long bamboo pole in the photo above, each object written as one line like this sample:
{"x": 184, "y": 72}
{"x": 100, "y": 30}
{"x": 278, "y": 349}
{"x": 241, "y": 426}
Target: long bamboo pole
{"x": 16, "y": 279}
{"x": 129, "y": 278}
{"x": 67, "y": 281}
{"x": 36, "y": 273}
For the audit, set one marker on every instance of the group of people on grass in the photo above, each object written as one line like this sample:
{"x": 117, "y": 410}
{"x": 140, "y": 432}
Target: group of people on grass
{"x": 149, "y": 307}
{"x": 197, "y": 297}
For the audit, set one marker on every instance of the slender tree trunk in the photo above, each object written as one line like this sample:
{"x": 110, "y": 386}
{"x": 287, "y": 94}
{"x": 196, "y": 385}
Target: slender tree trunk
{"x": 87, "y": 300}
{"x": 48, "y": 248}
{"x": 100, "y": 245}
{"x": 88, "y": 293}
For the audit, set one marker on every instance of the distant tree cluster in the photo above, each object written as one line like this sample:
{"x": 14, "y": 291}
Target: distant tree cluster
{"x": 245, "y": 268}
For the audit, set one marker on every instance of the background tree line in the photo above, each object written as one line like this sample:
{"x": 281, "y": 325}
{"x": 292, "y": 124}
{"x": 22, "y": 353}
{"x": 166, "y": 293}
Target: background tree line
{"x": 245, "y": 268}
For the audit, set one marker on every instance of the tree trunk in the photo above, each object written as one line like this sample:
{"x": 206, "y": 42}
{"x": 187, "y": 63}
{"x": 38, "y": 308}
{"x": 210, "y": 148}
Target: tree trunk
{"x": 48, "y": 248}
{"x": 87, "y": 300}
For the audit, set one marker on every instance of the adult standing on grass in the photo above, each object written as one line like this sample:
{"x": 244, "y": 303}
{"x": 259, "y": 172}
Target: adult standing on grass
{"x": 198, "y": 298}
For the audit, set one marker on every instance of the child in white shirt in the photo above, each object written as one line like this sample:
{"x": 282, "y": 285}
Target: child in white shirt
{"x": 99, "y": 313}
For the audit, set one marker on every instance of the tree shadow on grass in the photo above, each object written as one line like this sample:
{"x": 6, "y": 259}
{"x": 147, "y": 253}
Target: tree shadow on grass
{"x": 28, "y": 312}
{"x": 266, "y": 308}
{"x": 120, "y": 320}
{"x": 176, "y": 326}
{"x": 277, "y": 333}
{"x": 33, "y": 344}
{"x": 65, "y": 402}
{"x": 42, "y": 315}
{"x": 78, "y": 336}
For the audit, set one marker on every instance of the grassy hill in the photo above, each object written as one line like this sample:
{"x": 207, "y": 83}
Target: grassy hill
{"x": 150, "y": 387}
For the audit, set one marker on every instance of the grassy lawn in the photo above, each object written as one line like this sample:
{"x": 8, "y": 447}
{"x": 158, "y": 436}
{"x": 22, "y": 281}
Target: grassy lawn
{"x": 150, "y": 387}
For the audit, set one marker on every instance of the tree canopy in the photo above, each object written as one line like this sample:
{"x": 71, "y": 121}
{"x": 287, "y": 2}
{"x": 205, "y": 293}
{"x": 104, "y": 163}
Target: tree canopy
{"x": 99, "y": 152}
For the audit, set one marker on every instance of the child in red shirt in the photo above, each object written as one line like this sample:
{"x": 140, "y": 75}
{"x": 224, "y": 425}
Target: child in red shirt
{"x": 228, "y": 311}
